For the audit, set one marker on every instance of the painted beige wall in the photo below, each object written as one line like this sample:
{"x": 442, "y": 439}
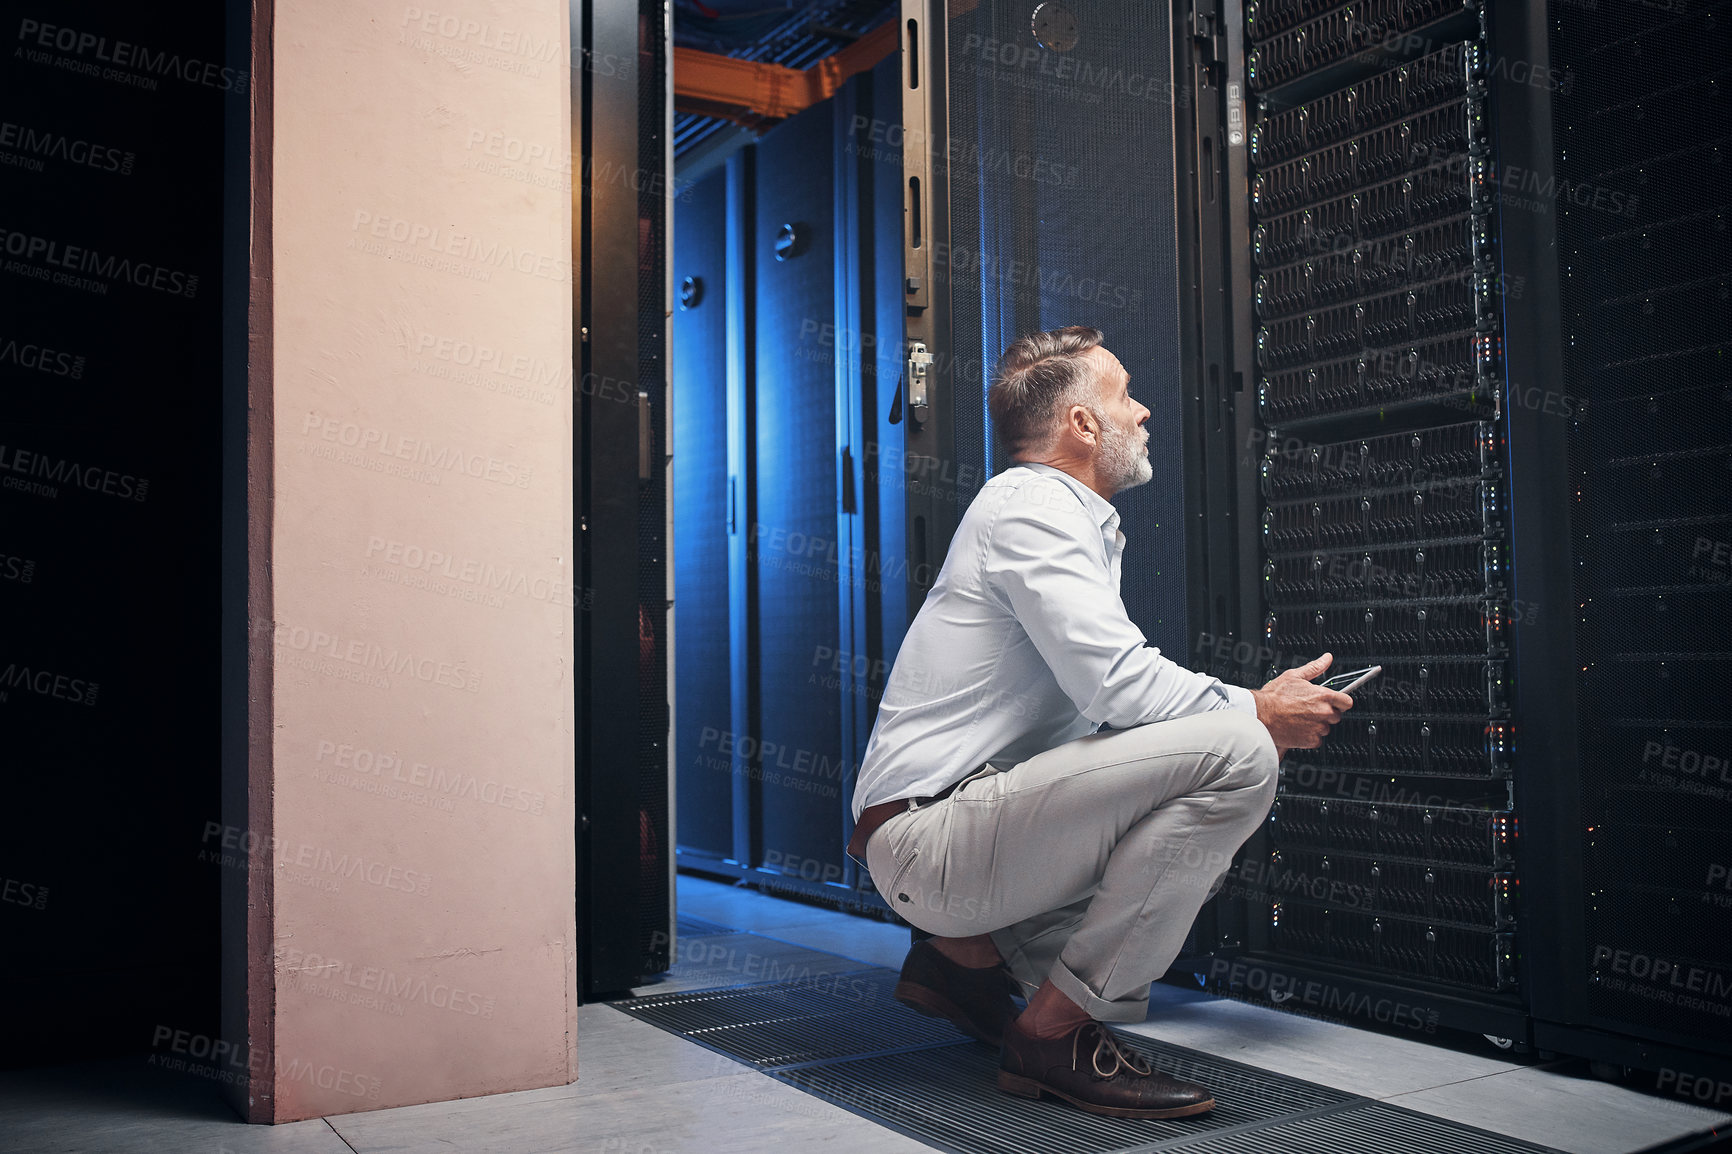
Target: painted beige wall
{"x": 421, "y": 602}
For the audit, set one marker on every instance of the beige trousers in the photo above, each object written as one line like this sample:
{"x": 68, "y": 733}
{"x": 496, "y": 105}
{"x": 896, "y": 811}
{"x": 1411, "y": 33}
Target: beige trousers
{"x": 1087, "y": 863}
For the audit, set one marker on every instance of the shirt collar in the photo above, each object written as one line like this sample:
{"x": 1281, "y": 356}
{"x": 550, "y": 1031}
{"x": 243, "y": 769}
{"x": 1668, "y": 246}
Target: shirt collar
{"x": 1104, "y": 514}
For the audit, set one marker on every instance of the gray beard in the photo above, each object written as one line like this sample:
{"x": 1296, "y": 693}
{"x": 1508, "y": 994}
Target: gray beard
{"x": 1123, "y": 459}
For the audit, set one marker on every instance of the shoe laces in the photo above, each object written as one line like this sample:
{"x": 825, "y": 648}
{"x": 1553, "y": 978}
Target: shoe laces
{"x": 1107, "y": 1046}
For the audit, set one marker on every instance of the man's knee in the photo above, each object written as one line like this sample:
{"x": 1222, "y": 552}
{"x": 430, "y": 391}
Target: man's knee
{"x": 1249, "y": 753}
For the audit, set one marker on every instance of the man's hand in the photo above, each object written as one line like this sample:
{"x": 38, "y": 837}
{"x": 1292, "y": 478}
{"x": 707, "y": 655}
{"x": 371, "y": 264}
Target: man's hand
{"x": 1297, "y": 713}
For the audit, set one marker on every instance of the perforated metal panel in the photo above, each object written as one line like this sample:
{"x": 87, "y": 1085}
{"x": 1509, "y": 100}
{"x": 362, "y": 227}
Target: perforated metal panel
{"x": 701, "y": 498}
{"x": 1643, "y": 216}
{"x": 1061, "y": 212}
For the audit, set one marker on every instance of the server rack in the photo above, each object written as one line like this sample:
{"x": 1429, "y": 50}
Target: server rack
{"x": 1452, "y": 326}
{"x": 1372, "y": 438}
{"x": 789, "y": 490}
{"x": 1447, "y": 274}
{"x": 1645, "y": 317}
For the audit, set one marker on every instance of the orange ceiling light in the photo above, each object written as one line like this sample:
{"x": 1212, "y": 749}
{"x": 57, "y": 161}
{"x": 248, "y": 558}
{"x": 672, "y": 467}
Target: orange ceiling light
{"x": 751, "y": 92}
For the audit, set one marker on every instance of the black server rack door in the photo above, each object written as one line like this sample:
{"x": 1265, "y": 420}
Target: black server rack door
{"x": 1061, "y": 211}
{"x": 796, "y": 755}
{"x": 703, "y": 722}
{"x": 1642, "y": 198}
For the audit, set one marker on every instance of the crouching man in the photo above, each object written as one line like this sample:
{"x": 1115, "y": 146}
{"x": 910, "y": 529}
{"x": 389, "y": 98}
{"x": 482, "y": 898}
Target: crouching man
{"x": 1051, "y": 861}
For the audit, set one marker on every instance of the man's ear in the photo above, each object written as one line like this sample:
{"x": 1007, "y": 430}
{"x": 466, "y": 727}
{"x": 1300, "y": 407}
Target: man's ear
{"x": 1082, "y": 422}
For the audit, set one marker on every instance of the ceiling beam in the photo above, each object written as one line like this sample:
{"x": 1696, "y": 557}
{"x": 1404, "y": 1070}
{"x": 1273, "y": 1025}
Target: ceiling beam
{"x": 754, "y": 93}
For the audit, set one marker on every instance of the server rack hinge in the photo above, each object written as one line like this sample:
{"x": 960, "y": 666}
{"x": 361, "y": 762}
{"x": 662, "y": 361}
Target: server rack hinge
{"x": 1207, "y": 31}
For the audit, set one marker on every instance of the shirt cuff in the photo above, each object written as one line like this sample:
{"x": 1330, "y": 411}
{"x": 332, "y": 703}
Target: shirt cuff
{"x": 1240, "y": 698}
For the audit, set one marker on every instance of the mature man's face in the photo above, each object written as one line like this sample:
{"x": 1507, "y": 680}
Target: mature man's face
{"x": 1121, "y": 456}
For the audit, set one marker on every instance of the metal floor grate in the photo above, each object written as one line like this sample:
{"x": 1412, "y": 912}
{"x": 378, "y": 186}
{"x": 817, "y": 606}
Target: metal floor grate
{"x": 819, "y": 1017}
{"x": 689, "y": 927}
{"x": 841, "y": 1037}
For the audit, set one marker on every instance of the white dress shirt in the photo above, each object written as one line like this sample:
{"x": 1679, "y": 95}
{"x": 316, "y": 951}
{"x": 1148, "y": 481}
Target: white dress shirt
{"x": 1023, "y": 644}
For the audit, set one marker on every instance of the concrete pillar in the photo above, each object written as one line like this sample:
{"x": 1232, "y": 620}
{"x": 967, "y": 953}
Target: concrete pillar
{"x": 405, "y": 930}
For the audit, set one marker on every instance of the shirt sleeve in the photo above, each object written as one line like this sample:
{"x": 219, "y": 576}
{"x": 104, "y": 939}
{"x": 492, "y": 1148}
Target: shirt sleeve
{"x": 1047, "y": 560}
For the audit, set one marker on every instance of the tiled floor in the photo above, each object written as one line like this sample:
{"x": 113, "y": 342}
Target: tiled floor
{"x": 645, "y": 1091}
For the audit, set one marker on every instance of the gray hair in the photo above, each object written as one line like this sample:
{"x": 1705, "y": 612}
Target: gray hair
{"x": 1040, "y": 377}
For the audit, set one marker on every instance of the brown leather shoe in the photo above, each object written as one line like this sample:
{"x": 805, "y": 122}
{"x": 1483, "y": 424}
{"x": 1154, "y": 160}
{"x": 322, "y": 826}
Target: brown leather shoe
{"x": 1091, "y": 1070}
{"x": 977, "y": 1002}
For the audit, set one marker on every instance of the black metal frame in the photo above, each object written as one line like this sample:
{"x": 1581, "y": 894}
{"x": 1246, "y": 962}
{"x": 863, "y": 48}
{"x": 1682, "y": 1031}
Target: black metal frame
{"x": 1220, "y": 512}
{"x": 931, "y": 435}
{"x": 606, "y": 472}
{"x": 1544, "y": 707}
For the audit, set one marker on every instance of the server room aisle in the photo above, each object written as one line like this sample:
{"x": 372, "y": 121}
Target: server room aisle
{"x": 645, "y": 1089}
{"x": 1556, "y": 1104}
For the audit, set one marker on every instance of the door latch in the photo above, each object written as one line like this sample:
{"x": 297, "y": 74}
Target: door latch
{"x": 919, "y": 361}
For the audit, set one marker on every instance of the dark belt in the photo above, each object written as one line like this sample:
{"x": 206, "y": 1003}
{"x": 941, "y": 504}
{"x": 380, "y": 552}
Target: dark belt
{"x": 874, "y": 816}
